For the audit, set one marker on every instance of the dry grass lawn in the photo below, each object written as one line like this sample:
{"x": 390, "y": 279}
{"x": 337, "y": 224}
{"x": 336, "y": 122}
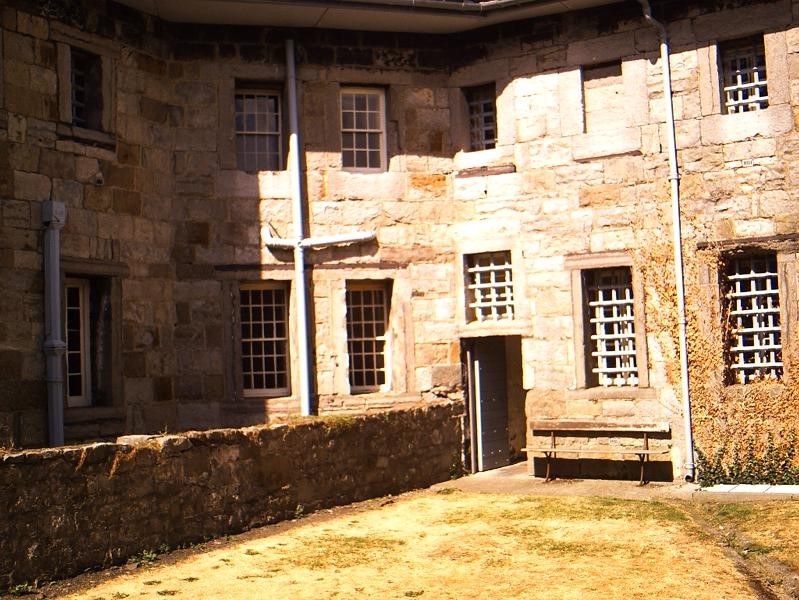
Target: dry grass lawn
{"x": 762, "y": 528}
{"x": 452, "y": 544}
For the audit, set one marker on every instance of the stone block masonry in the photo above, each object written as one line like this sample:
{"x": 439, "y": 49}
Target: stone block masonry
{"x": 75, "y": 508}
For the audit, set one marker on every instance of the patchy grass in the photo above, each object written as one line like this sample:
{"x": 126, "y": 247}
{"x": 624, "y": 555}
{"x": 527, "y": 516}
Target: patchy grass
{"x": 460, "y": 545}
{"x": 753, "y": 529}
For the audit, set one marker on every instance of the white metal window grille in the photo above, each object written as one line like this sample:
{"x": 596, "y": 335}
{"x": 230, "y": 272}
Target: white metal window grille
{"x": 754, "y": 312}
{"x": 86, "y": 89}
{"x": 362, "y": 129}
{"x": 489, "y": 286}
{"x": 744, "y": 73}
{"x": 482, "y": 116}
{"x": 258, "y": 136}
{"x": 264, "y": 339}
{"x": 78, "y": 374}
{"x": 367, "y": 320}
{"x": 612, "y": 326}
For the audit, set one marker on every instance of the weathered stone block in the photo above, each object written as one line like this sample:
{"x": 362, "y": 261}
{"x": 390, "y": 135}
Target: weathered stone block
{"x": 31, "y": 186}
{"x": 126, "y": 201}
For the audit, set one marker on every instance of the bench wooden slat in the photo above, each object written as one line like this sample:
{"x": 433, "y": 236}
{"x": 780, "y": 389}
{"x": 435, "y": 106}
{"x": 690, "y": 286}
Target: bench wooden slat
{"x": 558, "y": 450}
{"x": 575, "y": 425}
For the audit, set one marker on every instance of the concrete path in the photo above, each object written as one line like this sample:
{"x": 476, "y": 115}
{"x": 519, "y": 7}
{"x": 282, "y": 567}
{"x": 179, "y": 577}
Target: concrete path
{"x": 515, "y": 480}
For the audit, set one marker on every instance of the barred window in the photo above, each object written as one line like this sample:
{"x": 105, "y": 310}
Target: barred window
{"x": 258, "y": 131}
{"x": 481, "y": 101}
{"x": 489, "y": 286}
{"x": 367, "y": 322}
{"x": 363, "y": 129}
{"x": 743, "y": 67}
{"x": 264, "y": 339}
{"x": 86, "y": 86}
{"x": 609, "y": 307}
{"x": 753, "y": 309}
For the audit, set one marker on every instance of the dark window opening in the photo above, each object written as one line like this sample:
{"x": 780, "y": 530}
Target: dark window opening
{"x": 87, "y": 95}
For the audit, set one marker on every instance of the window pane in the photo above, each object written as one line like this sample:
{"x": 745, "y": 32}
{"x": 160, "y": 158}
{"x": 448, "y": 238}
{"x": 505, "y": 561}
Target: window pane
{"x": 264, "y": 322}
{"x": 362, "y": 125}
{"x": 366, "y": 314}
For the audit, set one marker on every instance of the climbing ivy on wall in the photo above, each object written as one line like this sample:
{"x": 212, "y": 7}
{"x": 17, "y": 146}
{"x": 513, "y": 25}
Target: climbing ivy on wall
{"x": 743, "y": 433}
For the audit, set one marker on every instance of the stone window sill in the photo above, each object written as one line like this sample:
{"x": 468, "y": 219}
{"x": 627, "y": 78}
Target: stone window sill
{"x": 588, "y": 146}
{"x": 483, "y": 159}
{"x": 739, "y": 127}
{"x": 615, "y": 393}
{"x": 505, "y": 327}
{"x": 77, "y": 414}
{"x": 86, "y": 137}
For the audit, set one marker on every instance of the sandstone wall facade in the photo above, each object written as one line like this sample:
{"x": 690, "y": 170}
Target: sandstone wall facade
{"x": 578, "y": 180}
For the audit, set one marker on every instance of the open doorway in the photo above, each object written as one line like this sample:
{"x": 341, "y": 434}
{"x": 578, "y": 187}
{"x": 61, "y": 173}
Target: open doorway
{"x": 495, "y": 401}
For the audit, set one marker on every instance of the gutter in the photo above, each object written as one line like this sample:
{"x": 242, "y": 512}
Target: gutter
{"x": 674, "y": 177}
{"x": 54, "y": 215}
{"x": 473, "y": 7}
{"x": 452, "y": 16}
{"x": 300, "y": 291}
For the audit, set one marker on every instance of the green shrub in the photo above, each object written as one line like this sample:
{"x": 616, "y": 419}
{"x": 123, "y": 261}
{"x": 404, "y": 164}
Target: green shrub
{"x": 774, "y": 465}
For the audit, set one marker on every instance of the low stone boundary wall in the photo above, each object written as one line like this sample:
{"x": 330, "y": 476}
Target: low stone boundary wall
{"x": 66, "y": 510}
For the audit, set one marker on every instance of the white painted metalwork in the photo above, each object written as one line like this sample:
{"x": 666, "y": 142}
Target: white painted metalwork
{"x": 258, "y": 131}
{"x": 489, "y": 286}
{"x": 754, "y": 311}
{"x": 610, "y": 307}
{"x": 482, "y": 116}
{"x": 367, "y": 321}
{"x": 264, "y": 339}
{"x": 299, "y": 243}
{"x": 744, "y": 71}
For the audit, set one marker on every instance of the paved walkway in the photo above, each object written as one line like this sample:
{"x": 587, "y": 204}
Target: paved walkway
{"x": 515, "y": 480}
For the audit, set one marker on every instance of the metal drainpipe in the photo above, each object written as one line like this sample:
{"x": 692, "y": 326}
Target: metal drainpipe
{"x": 53, "y": 218}
{"x": 295, "y": 166}
{"x": 674, "y": 177}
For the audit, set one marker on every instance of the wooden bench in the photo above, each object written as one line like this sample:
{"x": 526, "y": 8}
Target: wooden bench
{"x": 562, "y": 427}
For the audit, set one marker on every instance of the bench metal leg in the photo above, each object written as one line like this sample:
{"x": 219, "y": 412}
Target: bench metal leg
{"x": 642, "y": 460}
{"x": 549, "y": 457}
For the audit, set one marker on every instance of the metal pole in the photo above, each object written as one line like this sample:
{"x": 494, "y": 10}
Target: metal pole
{"x": 53, "y": 217}
{"x": 295, "y": 166}
{"x": 674, "y": 177}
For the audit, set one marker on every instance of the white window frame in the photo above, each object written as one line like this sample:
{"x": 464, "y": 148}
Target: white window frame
{"x": 488, "y": 283}
{"x": 482, "y": 120}
{"x": 351, "y": 127}
{"x": 380, "y": 340}
{"x": 754, "y": 325}
{"x": 265, "y": 391}
{"x": 742, "y": 86}
{"x": 260, "y": 129}
{"x": 83, "y": 341}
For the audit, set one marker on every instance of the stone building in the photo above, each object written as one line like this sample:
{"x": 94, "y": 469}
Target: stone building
{"x": 477, "y": 196}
